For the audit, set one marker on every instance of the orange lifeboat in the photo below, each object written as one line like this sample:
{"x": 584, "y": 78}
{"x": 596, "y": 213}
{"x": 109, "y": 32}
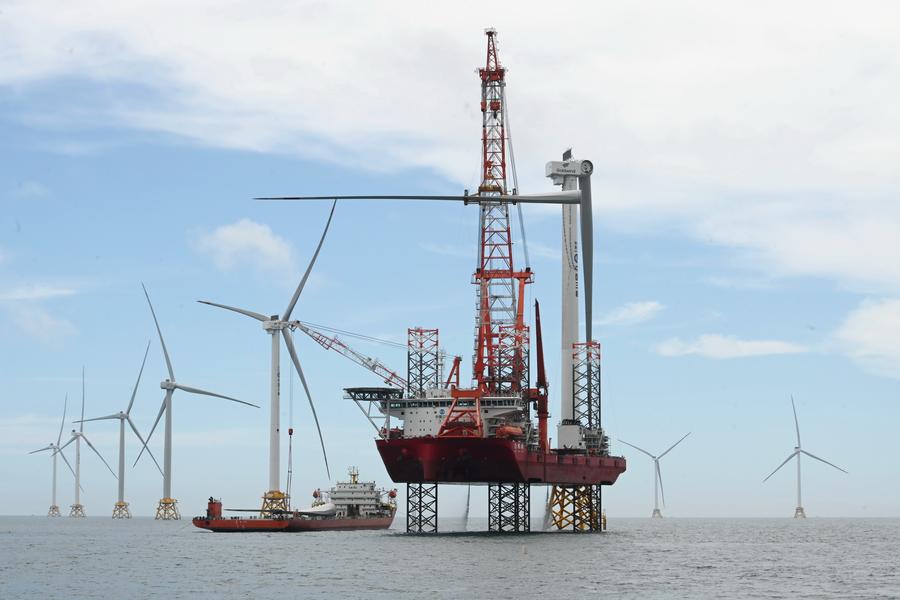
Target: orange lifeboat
{"x": 509, "y": 431}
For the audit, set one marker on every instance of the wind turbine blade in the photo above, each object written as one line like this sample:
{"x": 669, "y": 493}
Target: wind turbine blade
{"x": 194, "y": 390}
{"x": 162, "y": 409}
{"x": 585, "y": 212}
{"x": 290, "y": 308}
{"x": 796, "y": 422}
{"x": 50, "y": 447}
{"x": 242, "y": 311}
{"x": 138, "y": 434}
{"x": 662, "y": 492}
{"x": 675, "y": 444}
{"x": 59, "y": 450}
{"x": 138, "y": 382}
{"x": 63, "y": 422}
{"x": 91, "y": 446}
{"x": 107, "y": 417}
{"x": 159, "y": 331}
{"x": 636, "y": 448}
{"x": 66, "y": 460}
{"x": 289, "y": 342}
{"x": 568, "y": 197}
{"x": 822, "y": 460}
{"x": 792, "y": 455}
{"x": 82, "y": 399}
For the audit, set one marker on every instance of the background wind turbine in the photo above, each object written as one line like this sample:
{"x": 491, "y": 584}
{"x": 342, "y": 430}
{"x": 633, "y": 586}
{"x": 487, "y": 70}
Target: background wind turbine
{"x": 168, "y": 506}
{"x": 274, "y": 498}
{"x": 799, "y": 513}
{"x": 77, "y": 510}
{"x": 657, "y": 475}
{"x": 54, "y": 507}
{"x": 120, "y": 510}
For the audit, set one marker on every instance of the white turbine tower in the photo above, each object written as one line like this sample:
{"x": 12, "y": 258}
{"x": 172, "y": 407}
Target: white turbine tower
{"x": 274, "y": 499}
{"x": 120, "y": 510}
{"x": 657, "y": 475}
{"x": 54, "y": 507}
{"x": 168, "y": 506}
{"x": 77, "y": 510}
{"x": 799, "y": 513}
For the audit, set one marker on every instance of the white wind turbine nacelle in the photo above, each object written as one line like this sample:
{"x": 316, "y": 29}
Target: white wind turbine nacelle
{"x": 77, "y": 436}
{"x": 283, "y": 324}
{"x": 55, "y": 447}
{"x": 798, "y": 450}
{"x": 657, "y": 473}
{"x": 170, "y": 385}
{"x": 125, "y": 417}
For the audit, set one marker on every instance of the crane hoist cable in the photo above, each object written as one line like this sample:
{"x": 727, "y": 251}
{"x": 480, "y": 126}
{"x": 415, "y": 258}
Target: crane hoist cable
{"x": 515, "y": 178}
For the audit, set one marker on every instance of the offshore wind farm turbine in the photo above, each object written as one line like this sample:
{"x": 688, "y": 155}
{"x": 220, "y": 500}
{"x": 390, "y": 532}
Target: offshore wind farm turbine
{"x": 77, "y": 510}
{"x": 54, "y": 507}
{"x": 168, "y": 506}
{"x": 799, "y": 513}
{"x": 280, "y": 326}
{"x": 120, "y": 510}
{"x": 657, "y": 475}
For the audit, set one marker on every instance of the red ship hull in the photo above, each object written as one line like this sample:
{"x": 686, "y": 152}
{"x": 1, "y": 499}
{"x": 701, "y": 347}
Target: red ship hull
{"x": 292, "y": 525}
{"x": 491, "y": 460}
{"x": 241, "y": 524}
{"x": 342, "y": 524}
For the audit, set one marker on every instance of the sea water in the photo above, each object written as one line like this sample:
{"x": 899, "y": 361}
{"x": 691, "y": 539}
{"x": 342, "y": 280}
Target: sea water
{"x": 98, "y": 557}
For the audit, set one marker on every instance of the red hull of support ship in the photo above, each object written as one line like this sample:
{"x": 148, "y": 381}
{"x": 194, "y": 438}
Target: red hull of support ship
{"x": 491, "y": 460}
{"x": 291, "y": 525}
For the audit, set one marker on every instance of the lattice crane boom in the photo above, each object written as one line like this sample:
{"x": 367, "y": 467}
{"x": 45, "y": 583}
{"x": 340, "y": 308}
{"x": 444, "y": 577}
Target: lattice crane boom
{"x": 328, "y": 342}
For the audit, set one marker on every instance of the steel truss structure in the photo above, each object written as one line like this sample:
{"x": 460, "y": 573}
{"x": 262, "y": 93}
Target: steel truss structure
{"x": 579, "y": 508}
{"x": 375, "y": 398}
{"x": 421, "y": 507}
{"x": 576, "y": 508}
{"x": 509, "y": 507}
{"x": 54, "y": 511}
{"x": 120, "y": 511}
{"x": 513, "y": 356}
{"x": 422, "y": 360}
{"x": 499, "y": 293}
{"x": 274, "y": 501}
{"x": 167, "y": 510}
{"x": 77, "y": 510}
{"x": 586, "y": 395}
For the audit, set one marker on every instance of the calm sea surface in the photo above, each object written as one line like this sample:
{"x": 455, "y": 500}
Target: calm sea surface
{"x": 97, "y": 557}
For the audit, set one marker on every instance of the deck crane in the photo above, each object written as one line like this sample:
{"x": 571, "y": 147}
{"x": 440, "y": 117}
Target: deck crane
{"x": 374, "y": 365}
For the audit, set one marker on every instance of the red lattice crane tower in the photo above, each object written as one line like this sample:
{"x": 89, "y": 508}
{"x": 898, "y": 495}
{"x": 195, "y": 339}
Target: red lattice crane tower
{"x": 501, "y": 337}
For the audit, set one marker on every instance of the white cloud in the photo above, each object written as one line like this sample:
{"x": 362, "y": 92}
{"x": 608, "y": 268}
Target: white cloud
{"x": 28, "y": 432}
{"x": 246, "y": 243}
{"x": 31, "y": 189}
{"x": 36, "y": 292}
{"x": 871, "y": 336}
{"x": 544, "y": 251}
{"x": 720, "y": 346}
{"x": 42, "y": 326}
{"x": 631, "y": 313}
{"x": 725, "y": 121}
{"x": 453, "y": 250}
{"x": 740, "y": 283}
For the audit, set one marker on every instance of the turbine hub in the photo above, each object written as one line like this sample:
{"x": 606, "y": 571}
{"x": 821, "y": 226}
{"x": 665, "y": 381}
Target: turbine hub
{"x": 274, "y": 324}
{"x": 168, "y": 384}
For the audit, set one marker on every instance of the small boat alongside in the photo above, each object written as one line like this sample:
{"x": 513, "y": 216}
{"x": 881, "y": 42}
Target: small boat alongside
{"x": 349, "y": 505}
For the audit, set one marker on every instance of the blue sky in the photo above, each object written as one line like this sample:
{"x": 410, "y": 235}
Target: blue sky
{"x": 744, "y": 220}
